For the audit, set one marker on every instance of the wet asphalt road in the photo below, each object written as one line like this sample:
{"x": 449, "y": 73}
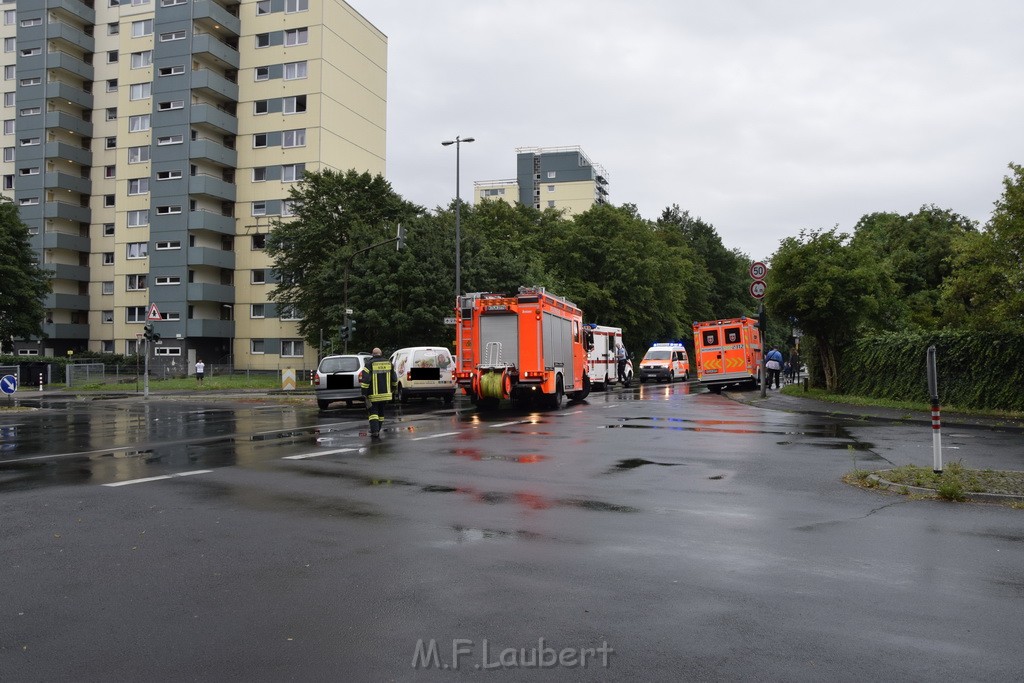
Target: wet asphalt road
{"x": 696, "y": 537}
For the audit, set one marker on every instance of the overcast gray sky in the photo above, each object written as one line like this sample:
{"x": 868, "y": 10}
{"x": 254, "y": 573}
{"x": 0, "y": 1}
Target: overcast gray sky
{"x": 761, "y": 117}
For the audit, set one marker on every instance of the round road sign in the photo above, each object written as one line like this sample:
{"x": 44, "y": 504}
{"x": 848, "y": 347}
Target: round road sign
{"x": 758, "y": 270}
{"x": 757, "y": 289}
{"x": 8, "y": 384}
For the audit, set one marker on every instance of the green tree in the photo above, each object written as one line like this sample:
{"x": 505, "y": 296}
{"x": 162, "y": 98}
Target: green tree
{"x": 917, "y": 250}
{"x": 336, "y": 215}
{"x": 829, "y": 288}
{"x": 23, "y": 284}
{"x": 986, "y": 288}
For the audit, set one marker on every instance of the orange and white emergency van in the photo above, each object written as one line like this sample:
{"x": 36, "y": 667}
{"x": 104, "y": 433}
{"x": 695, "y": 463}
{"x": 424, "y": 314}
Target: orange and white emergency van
{"x": 604, "y": 368}
{"x": 727, "y": 352}
{"x": 666, "y": 361}
{"x": 528, "y": 347}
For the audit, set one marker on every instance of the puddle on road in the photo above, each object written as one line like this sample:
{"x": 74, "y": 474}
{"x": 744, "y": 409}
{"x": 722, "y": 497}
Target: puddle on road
{"x": 633, "y": 463}
{"x": 478, "y": 455}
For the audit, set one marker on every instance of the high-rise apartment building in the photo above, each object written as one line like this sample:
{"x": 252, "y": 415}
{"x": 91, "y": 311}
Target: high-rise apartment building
{"x": 550, "y": 177}
{"x": 149, "y": 144}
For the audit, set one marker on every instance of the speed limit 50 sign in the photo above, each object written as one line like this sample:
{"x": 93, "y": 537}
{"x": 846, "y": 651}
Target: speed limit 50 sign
{"x": 758, "y": 270}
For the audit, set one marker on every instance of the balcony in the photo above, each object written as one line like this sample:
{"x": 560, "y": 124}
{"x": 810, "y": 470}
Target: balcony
{"x": 70, "y": 64}
{"x": 75, "y": 8}
{"x": 218, "y": 119}
{"x": 69, "y": 122}
{"x": 210, "y": 150}
{"x": 66, "y": 331}
{"x": 65, "y": 181}
{"x": 67, "y": 212}
{"x": 211, "y": 186}
{"x": 207, "y": 256}
{"x": 70, "y": 93}
{"x": 205, "y": 291}
{"x": 213, "y": 222}
{"x": 59, "y": 31}
{"x": 66, "y": 271}
{"x": 71, "y": 302}
{"x": 207, "y": 45}
{"x": 210, "y": 328}
{"x": 62, "y": 150}
{"x": 212, "y": 84}
{"x": 62, "y": 240}
{"x": 212, "y": 16}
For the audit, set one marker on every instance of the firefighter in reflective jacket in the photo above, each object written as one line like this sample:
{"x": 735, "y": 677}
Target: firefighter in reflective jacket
{"x": 377, "y": 381}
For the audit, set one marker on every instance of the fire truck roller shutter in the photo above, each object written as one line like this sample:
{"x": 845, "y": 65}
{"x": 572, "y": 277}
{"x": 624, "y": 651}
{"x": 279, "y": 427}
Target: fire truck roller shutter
{"x": 558, "y": 347}
{"x": 503, "y": 329}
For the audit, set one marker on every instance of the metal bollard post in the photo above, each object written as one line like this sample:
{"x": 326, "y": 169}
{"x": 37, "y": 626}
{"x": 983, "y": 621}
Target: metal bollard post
{"x": 40, "y": 381}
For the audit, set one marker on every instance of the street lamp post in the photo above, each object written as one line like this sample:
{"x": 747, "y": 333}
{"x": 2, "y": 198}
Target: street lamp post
{"x": 458, "y": 214}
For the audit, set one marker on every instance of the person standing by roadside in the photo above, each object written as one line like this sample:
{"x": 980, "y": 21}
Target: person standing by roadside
{"x": 200, "y": 370}
{"x": 773, "y": 364}
{"x": 620, "y": 361}
{"x": 377, "y": 380}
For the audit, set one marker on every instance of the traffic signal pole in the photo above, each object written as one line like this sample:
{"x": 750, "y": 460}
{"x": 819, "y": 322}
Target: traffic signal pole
{"x": 145, "y": 371}
{"x": 348, "y": 326}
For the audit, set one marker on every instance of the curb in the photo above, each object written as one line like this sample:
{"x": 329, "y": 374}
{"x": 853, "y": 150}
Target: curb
{"x": 969, "y": 496}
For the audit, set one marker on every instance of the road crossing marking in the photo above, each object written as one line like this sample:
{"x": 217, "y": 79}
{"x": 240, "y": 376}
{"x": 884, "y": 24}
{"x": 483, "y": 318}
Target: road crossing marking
{"x": 434, "y": 436}
{"x": 317, "y": 454}
{"x": 162, "y": 476}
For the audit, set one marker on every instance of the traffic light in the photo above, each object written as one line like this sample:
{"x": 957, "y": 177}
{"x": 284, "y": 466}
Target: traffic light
{"x": 762, "y": 320}
{"x": 400, "y": 238}
{"x": 147, "y": 331}
{"x": 351, "y": 329}
{"x": 343, "y": 332}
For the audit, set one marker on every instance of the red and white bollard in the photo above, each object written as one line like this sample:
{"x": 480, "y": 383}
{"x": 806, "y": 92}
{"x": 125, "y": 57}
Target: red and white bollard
{"x": 40, "y": 381}
{"x": 936, "y": 438}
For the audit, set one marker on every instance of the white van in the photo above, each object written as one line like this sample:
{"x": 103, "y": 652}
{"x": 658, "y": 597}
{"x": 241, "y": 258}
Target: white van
{"x": 604, "y": 369}
{"x": 424, "y": 371}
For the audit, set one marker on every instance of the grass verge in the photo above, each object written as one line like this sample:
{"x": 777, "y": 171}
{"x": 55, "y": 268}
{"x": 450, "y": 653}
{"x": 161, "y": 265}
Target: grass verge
{"x": 915, "y": 406}
{"x": 955, "y": 483}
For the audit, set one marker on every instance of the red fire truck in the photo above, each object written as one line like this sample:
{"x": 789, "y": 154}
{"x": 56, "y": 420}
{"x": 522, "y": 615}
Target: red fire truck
{"x": 528, "y": 347}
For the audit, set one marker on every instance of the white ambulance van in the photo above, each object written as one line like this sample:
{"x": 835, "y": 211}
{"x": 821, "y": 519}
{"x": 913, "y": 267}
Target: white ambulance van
{"x": 424, "y": 372}
{"x": 604, "y": 371}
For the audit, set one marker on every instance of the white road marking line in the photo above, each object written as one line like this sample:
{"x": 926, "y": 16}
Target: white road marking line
{"x": 318, "y": 454}
{"x": 163, "y": 476}
{"x": 509, "y": 424}
{"x": 434, "y": 436}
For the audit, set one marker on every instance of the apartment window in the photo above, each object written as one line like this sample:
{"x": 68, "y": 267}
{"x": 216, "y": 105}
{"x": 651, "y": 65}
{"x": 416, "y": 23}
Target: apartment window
{"x": 170, "y": 106}
{"x": 138, "y": 186}
{"x": 140, "y": 60}
{"x": 25, "y": 142}
{"x": 294, "y": 70}
{"x": 108, "y": 229}
{"x": 168, "y": 175}
{"x": 257, "y": 346}
{"x": 262, "y": 7}
{"x": 29, "y": 201}
{"x": 140, "y": 91}
{"x": 290, "y": 313}
{"x": 137, "y": 124}
{"x": 168, "y": 210}
{"x": 31, "y": 170}
{"x": 551, "y": 188}
{"x": 262, "y": 40}
{"x": 287, "y": 208}
{"x": 551, "y": 203}
{"x": 172, "y": 3}
{"x": 111, "y": 114}
{"x": 112, "y": 85}
{"x": 108, "y": 201}
{"x": 259, "y": 140}
{"x": 143, "y": 28}
{"x": 296, "y": 5}
{"x": 167, "y": 351}
{"x": 110, "y": 172}
{"x": 139, "y": 3}
{"x": 259, "y": 174}
{"x": 30, "y": 51}
{"x": 9, "y": 153}
{"x": 135, "y": 314}
{"x": 257, "y": 311}
{"x": 134, "y": 283}
{"x": 110, "y": 143}
{"x": 33, "y": 80}
{"x": 9, "y": 183}
{"x": 260, "y": 107}
{"x": 31, "y": 111}
{"x": 291, "y": 348}
{"x": 108, "y": 317}
{"x": 172, "y": 70}
{"x": 259, "y": 242}
{"x": 9, "y": 127}
{"x": 9, "y": 99}
{"x": 137, "y": 219}
{"x": 107, "y": 287}
{"x": 294, "y": 138}
{"x": 259, "y": 277}
{"x": 131, "y": 347}
{"x": 112, "y": 56}
{"x": 551, "y": 174}
{"x": 137, "y": 250}
{"x": 261, "y": 73}
{"x": 296, "y": 36}
{"x": 167, "y": 280}
{"x": 168, "y": 246}
{"x": 108, "y": 258}
{"x": 291, "y": 172}
{"x": 294, "y": 105}
{"x": 138, "y": 155}
{"x": 172, "y": 36}
{"x": 170, "y": 140}
{"x": 259, "y": 208}
{"x": 9, "y": 20}
{"x": 113, "y": 28}
{"x": 10, "y": 72}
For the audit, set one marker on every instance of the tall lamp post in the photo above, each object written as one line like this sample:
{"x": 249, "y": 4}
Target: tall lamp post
{"x": 458, "y": 214}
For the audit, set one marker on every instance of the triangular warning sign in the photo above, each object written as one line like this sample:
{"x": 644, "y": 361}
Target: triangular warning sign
{"x": 154, "y": 313}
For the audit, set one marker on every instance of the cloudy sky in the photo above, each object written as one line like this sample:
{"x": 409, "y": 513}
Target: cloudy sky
{"x": 763, "y": 117}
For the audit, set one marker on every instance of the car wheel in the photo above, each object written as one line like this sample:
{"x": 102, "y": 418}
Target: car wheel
{"x": 400, "y": 395}
{"x": 322, "y": 405}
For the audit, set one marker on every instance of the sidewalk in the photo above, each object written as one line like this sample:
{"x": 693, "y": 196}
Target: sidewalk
{"x": 775, "y": 400}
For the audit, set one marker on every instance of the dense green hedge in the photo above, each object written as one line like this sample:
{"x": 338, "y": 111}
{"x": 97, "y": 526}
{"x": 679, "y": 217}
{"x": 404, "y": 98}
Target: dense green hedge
{"x": 975, "y": 370}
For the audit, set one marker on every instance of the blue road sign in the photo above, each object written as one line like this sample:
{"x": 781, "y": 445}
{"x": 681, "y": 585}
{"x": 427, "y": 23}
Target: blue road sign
{"x": 8, "y": 384}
